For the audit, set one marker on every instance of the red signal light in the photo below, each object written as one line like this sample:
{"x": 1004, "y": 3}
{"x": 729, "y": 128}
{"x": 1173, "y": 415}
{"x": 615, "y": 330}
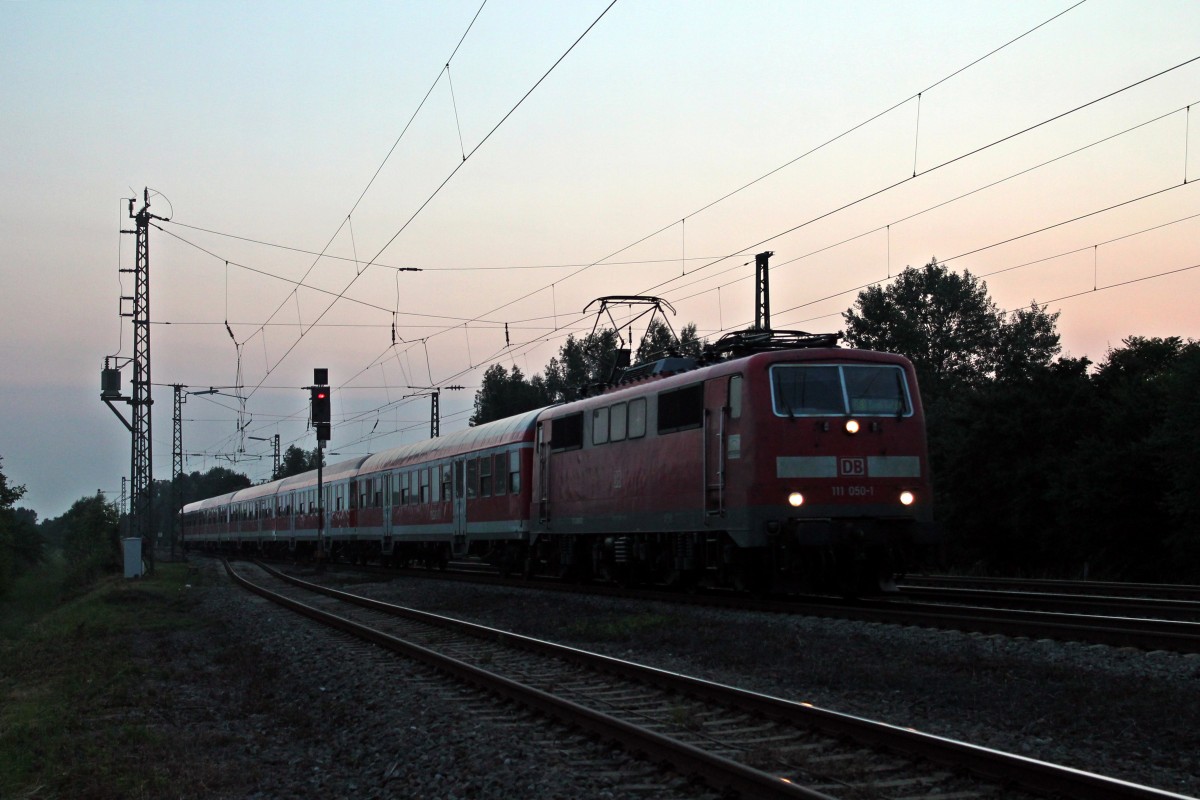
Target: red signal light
{"x": 320, "y": 403}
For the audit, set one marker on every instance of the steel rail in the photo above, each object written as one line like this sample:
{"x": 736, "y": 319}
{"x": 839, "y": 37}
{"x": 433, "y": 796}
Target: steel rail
{"x": 1151, "y": 590}
{"x": 1115, "y": 631}
{"x": 1145, "y": 634}
{"x": 1029, "y": 773}
{"x": 1054, "y": 601}
{"x": 717, "y": 771}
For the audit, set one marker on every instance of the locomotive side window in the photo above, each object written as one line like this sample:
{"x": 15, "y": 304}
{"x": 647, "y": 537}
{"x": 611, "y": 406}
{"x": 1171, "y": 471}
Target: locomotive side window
{"x": 832, "y": 390}
{"x": 681, "y": 409}
{"x": 567, "y": 433}
{"x": 600, "y": 426}
{"x": 617, "y": 422}
{"x": 735, "y": 397}
{"x": 637, "y": 418}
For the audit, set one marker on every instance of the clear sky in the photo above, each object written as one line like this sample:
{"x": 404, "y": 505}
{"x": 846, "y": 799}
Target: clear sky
{"x": 266, "y": 121}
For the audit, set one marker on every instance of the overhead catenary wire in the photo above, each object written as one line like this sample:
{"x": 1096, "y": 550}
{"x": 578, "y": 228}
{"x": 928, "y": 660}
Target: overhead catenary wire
{"x": 443, "y": 184}
{"x": 936, "y": 206}
{"x": 683, "y": 222}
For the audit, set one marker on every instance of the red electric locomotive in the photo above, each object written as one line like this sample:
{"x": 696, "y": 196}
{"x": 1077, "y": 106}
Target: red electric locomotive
{"x": 789, "y": 467}
{"x": 801, "y": 468}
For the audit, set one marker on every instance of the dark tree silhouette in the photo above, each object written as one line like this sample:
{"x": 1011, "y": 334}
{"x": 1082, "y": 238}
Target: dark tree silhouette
{"x": 946, "y": 323}
{"x": 296, "y": 461}
{"x": 504, "y": 394}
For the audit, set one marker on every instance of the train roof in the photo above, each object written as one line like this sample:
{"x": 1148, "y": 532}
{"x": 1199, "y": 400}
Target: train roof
{"x": 209, "y": 502}
{"x": 684, "y": 372}
{"x": 331, "y": 473}
{"x": 511, "y": 430}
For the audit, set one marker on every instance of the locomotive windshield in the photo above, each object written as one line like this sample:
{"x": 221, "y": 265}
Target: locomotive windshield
{"x": 838, "y": 390}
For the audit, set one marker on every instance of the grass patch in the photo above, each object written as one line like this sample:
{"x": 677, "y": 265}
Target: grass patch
{"x": 76, "y": 715}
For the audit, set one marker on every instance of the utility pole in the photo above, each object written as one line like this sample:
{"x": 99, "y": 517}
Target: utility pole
{"x": 275, "y": 460}
{"x": 142, "y": 459}
{"x": 762, "y": 292}
{"x": 435, "y": 406}
{"x": 176, "y": 464}
{"x": 177, "y": 460}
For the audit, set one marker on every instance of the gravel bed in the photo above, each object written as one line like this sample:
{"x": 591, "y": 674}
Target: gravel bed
{"x": 266, "y": 705}
{"x": 1119, "y": 712}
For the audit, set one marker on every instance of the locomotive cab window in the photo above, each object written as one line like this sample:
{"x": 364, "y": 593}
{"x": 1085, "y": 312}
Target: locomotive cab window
{"x": 876, "y": 390}
{"x": 838, "y": 390}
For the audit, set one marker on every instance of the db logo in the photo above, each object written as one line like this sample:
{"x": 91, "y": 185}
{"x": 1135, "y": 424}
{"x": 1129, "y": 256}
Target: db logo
{"x": 852, "y": 467}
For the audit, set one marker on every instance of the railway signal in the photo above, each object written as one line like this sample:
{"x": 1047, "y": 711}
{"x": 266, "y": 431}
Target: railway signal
{"x": 319, "y": 403}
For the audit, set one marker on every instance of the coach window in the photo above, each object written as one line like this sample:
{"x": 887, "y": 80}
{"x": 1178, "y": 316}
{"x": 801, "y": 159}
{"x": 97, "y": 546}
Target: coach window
{"x": 447, "y": 480}
{"x": 500, "y": 473}
{"x": 637, "y": 418}
{"x": 472, "y": 478}
{"x": 567, "y": 433}
{"x": 681, "y": 409}
{"x": 618, "y": 422}
{"x": 485, "y": 476}
{"x": 514, "y": 471}
{"x": 599, "y": 426}
{"x": 423, "y": 493}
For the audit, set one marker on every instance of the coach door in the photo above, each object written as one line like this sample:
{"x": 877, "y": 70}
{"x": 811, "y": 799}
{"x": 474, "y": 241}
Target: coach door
{"x": 389, "y": 480}
{"x": 543, "y": 484}
{"x": 459, "y": 544}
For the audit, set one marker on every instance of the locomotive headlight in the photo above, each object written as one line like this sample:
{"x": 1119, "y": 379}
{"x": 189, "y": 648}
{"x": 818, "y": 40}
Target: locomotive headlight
{"x": 907, "y": 498}
{"x": 852, "y": 426}
{"x": 795, "y": 499}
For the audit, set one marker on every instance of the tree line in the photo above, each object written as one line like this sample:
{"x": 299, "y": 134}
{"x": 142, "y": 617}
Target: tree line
{"x": 1046, "y": 465}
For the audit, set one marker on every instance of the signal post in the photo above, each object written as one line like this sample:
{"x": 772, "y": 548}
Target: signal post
{"x": 319, "y": 411}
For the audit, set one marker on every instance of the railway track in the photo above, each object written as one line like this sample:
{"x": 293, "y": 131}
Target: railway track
{"x": 1061, "y": 602}
{"x": 1160, "y": 591}
{"x": 736, "y": 741}
{"x": 948, "y": 609}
